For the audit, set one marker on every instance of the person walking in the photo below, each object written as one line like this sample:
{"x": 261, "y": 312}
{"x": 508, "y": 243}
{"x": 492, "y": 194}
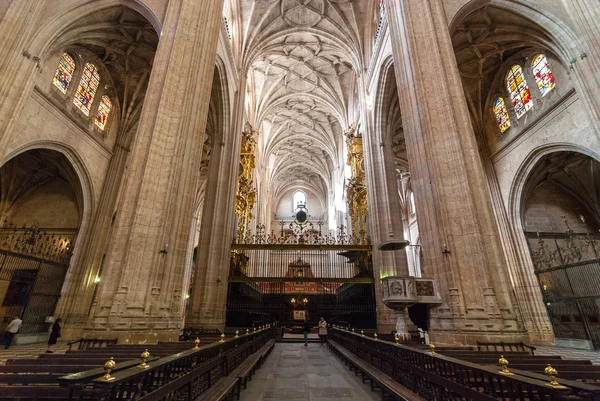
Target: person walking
{"x": 305, "y": 330}
{"x": 12, "y": 329}
{"x": 323, "y": 330}
{"x": 54, "y": 335}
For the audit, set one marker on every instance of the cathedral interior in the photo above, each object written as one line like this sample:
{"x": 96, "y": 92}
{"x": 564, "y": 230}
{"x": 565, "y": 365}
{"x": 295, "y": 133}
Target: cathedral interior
{"x": 205, "y": 181}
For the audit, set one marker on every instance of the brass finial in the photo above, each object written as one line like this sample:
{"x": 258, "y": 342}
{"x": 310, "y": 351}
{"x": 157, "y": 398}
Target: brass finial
{"x": 504, "y": 363}
{"x": 362, "y": 332}
{"x": 222, "y": 338}
{"x": 552, "y": 373}
{"x": 353, "y": 329}
{"x": 254, "y": 329}
{"x": 397, "y": 340}
{"x": 247, "y": 331}
{"x": 145, "y": 355}
{"x": 432, "y": 348}
{"x": 237, "y": 334}
{"x": 375, "y": 335}
{"x": 108, "y": 367}
{"x": 197, "y": 343}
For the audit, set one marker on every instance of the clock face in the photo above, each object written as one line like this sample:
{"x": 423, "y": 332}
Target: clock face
{"x": 301, "y": 216}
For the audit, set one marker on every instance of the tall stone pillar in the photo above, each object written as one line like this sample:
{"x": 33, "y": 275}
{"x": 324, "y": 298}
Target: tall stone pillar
{"x": 17, "y": 64}
{"x": 385, "y": 216}
{"x": 209, "y": 301}
{"x": 141, "y": 296}
{"x": 585, "y": 15}
{"x": 456, "y": 223}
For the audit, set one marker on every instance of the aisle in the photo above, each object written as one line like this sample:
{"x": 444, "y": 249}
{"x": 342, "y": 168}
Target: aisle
{"x": 295, "y": 372}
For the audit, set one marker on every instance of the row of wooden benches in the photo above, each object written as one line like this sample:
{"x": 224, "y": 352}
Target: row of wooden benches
{"x": 571, "y": 369}
{"x": 386, "y": 385}
{"x": 231, "y": 385}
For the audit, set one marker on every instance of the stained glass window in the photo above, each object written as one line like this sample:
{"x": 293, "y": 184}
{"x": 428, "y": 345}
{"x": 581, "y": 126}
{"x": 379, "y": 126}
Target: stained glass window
{"x": 543, "y": 74}
{"x": 501, "y": 114}
{"x": 87, "y": 88}
{"x": 64, "y": 73}
{"x": 519, "y": 91}
{"x": 103, "y": 111}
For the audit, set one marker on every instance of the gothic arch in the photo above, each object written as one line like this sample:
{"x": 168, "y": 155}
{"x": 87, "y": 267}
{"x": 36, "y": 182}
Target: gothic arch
{"x": 515, "y": 198}
{"x": 47, "y": 39}
{"x": 568, "y": 46}
{"x": 524, "y": 276}
{"x": 87, "y": 192}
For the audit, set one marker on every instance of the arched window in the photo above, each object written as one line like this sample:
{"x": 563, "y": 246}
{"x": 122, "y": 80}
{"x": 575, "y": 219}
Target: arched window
{"x": 299, "y": 198}
{"x": 413, "y": 209}
{"x": 501, "y": 114}
{"x": 87, "y": 88}
{"x": 519, "y": 91}
{"x": 543, "y": 74}
{"x": 103, "y": 111}
{"x": 64, "y": 72}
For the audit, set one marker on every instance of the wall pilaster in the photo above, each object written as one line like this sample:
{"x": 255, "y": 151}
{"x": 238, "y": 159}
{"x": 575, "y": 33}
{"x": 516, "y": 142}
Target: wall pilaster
{"x": 449, "y": 181}
{"x": 142, "y": 294}
{"x": 585, "y": 15}
{"x": 17, "y": 64}
{"x": 385, "y": 215}
{"x": 209, "y": 301}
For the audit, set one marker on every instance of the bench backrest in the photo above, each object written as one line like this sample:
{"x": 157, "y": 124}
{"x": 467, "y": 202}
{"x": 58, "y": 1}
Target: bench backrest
{"x": 428, "y": 374}
{"x": 192, "y": 371}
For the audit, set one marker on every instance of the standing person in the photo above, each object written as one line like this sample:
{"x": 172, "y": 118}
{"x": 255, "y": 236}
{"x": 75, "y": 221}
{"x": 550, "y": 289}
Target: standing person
{"x": 54, "y": 335}
{"x": 323, "y": 330}
{"x": 421, "y": 336}
{"x": 305, "y": 330}
{"x": 12, "y": 329}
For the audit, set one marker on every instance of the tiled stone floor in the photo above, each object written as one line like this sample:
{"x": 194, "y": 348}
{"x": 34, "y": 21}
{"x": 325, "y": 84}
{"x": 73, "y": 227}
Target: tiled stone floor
{"x": 294, "y": 372}
{"x": 28, "y": 351}
{"x": 568, "y": 353}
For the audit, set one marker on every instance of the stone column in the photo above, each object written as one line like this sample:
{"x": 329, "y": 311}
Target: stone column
{"x": 17, "y": 65}
{"x": 141, "y": 295}
{"x": 585, "y": 15}
{"x": 449, "y": 181}
{"x": 385, "y": 215}
{"x": 209, "y": 301}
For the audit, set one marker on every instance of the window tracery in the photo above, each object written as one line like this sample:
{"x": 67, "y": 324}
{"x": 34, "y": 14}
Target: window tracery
{"x": 501, "y": 113}
{"x": 87, "y": 88}
{"x": 103, "y": 112}
{"x": 64, "y": 73}
{"x": 543, "y": 74}
{"x": 519, "y": 90}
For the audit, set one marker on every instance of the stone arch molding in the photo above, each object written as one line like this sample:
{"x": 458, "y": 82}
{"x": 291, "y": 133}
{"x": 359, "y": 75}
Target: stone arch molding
{"x": 568, "y": 45}
{"x": 515, "y": 201}
{"x": 45, "y": 42}
{"x": 77, "y": 163}
{"x": 85, "y": 180}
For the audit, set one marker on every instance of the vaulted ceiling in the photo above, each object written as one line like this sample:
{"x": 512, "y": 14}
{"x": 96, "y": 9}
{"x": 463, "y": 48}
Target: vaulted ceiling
{"x": 302, "y": 57}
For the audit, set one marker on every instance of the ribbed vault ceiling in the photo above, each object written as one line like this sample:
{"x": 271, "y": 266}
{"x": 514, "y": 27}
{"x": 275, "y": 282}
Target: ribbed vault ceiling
{"x": 302, "y": 56}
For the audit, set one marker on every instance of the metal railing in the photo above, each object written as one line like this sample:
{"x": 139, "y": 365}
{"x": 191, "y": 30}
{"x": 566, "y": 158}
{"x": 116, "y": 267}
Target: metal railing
{"x": 85, "y": 343}
{"x": 438, "y": 377}
{"x": 505, "y": 347}
{"x": 184, "y": 375}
